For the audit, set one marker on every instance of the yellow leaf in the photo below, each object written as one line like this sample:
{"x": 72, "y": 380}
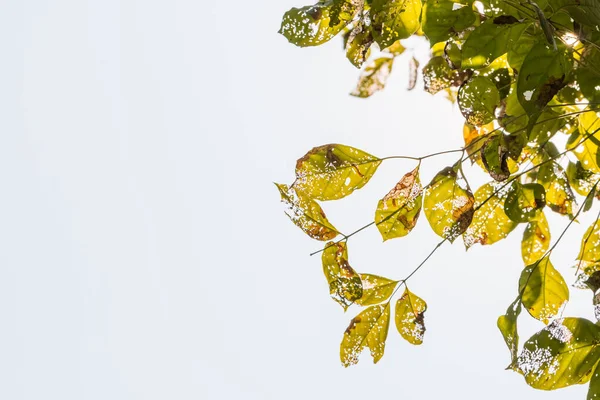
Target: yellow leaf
{"x": 376, "y": 289}
{"x": 306, "y": 214}
{"x": 367, "y": 329}
{"x": 586, "y": 151}
{"x": 373, "y": 77}
{"x": 490, "y": 222}
{"x": 447, "y": 206}
{"x": 536, "y": 239}
{"x": 543, "y": 290}
{"x": 410, "y": 310}
{"x": 398, "y": 211}
{"x": 334, "y": 171}
{"x": 345, "y": 285}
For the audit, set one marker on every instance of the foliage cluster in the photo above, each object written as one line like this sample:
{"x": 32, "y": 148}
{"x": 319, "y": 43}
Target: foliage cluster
{"x": 525, "y": 75}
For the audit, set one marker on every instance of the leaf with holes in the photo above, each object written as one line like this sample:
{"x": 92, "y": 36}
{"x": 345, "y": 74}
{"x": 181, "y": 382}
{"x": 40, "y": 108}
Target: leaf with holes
{"x": 376, "y": 289}
{"x": 543, "y": 290}
{"x": 536, "y": 239}
{"x": 394, "y": 19}
{"x": 367, "y": 329}
{"x": 507, "y": 324}
{"x": 524, "y": 200}
{"x": 374, "y": 77}
{"x": 345, "y": 285}
{"x": 478, "y": 99}
{"x": 410, "y": 311}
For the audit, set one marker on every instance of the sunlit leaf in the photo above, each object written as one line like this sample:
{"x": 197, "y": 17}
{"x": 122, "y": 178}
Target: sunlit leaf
{"x": 358, "y": 44}
{"x": 442, "y": 19}
{"x": 507, "y": 324}
{"x": 376, "y": 289}
{"x": 374, "y": 77}
{"x": 478, "y": 99}
{"x": 475, "y": 137}
{"x": 543, "y": 290}
{"x": 410, "y": 311}
{"x": 536, "y": 239}
{"x": 490, "y": 40}
{"x": 562, "y": 354}
{"x": 494, "y": 155}
{"x": 398, "y": 211}
{"x": 306, "y": 214}
{"x": 559, "y": 196}
{"x": 588, "y": 258}
{"x": 334, "y": 171}
{"x": 437, "y": 75}
{"x": 490, "y": 222}
{"x": 524, "y": 200}
{"x": 581, "y": 179}
{"x": 394, "y": 19}
{"x": 312, "y": 25}
{"x": 345, "y": 285}
{"x": 448, "y": 206}
{"x": 367, "y": 329}
{"x": 586, "y": 142}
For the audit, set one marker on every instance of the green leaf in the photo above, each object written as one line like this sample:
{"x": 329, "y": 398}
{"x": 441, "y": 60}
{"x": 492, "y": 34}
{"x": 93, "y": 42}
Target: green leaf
{"x": 442, "y": 19}
{"x": 491, "y": 40}
{"x": 524, "y": 200}
{"x": 588, "y": 73}
{"x": 581, "y": 179}
{"x": 589, "y": 251}
{"x": 543, "y": 73}
{"x": 410, "y": 310}
{"x": 398, "y": 211}
{"x": 559, "y": 196}
{"x": 536, "y": 239}
{"x": 478, "y": 99}
{"x": 543, "y": 290}
{"x": 562, "y": 354}
{"x": 306, "y": 214}
{"x": 437, "y": 75}
{"x": 507, "y": 324}
{"x": 447, "y": 206}
{"x": 494, "y": 155}
{"x": 490, "y": 222}
{"x": 333, "y": 171}
{"x": 594, "y": 390}
{"x": 518, "y": 51}
{"x": 317, "y": 24}
{"x": 367, "y": 329}
{"x": 394, "y": 19}
{"x": 376, "y": 289}
{"x": 374, "y": 77}
{"x": 586, "y": 12}
{"x": 345, "y": 285}
{"x": 358, "y": 44}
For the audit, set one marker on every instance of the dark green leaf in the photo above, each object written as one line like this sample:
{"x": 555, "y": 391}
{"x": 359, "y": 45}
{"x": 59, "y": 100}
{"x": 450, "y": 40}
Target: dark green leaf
{"x": 442, "y": 19}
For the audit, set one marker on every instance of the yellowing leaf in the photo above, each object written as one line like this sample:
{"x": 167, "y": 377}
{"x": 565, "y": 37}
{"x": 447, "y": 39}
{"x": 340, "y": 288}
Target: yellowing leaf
{"x": 398, "y": 211}
{"x": 345, "y": 285}
{"x": 559, "y": 196}
{"x": 490, "y": 223}
{"x": 306, "y": 214}
{"x": 376, "y": 289}
{"x": 474, "y": 137}
{"x": 334, "y": 171}
{"x": 359, "y": 44}
{"x": 588, "y": 259}
{"x": 394, "y": 19}
{"x": 524, "y": 200}
{"x": 367, "y": 329}
{"x": 374, "y": 77}
{"x": 409, "y": 318}
{"x": 543, "y": 290}
{"x": 562, "y": 354}
{"x": 507, "y": 324}
{"x": 586, "y": 141}
{"x": 536, "y": 239}
{"x": 447, "y": 206}
{"x": 317, "y": 24}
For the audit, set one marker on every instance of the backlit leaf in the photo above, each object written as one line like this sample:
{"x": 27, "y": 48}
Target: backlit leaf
{"x": 398, "y": 211}
{"x": 543, "y": 290}
{"x": 536, "y": 239}
{"x": 588, "y": 258}
{"x": 345, "y": 285}
{"x": 376, "y": 289}
{"x": 478, "y": 99}
{"x": 594, "y": 389}
{"x": 524, "y": 200}
{"x": 306, "y": 214}
{"x": 410, "y": 310}
{"x": 374, "y": 77}
{"x": 474, "y": 137}
{"x": 367, "y": 329}
{"x": 586, "y": 141}
{"x": 394, "y": 19}
{"x": 437, "y": 75}
{"x": 442, "y": 19}
{"x": 334, "y": 171}
{"x": 312, "y": 25}
{"x": 489, "y": 41}
{"x": 490, "y": 222}
{"x": 588, "y": 74}
{"x": 559, "y": 196}
{"x": 494, "y": 156}
{"x": 562, "y": 354}
{"x": 507, "y": 324}
{"x": 581, "y": 179}
{"x": 358, "y": 44}
{"x": 447, "y": 206}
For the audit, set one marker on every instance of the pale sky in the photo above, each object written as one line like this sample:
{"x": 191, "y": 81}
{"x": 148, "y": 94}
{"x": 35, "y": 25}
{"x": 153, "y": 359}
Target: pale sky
{"x": 144, "y": 251}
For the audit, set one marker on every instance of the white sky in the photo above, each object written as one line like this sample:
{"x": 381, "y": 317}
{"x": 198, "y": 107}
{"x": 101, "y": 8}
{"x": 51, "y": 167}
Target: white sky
{"x": 143, "y": 248}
